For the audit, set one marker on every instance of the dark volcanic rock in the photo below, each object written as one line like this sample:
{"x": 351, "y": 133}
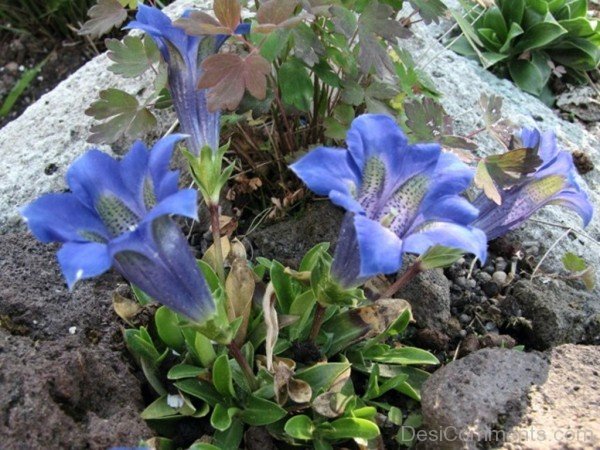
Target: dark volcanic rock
{"x": 289, "y": 240}
{"x": 429, "y": 296}
{"x": 558, "y": 314}
{"x": 66, "y": 382}
{"x": 464, "y": 402}
{"x": 563, "y": 412}
{"x": 498, "y": 398}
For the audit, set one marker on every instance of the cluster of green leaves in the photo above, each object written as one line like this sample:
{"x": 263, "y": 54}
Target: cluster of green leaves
{"x": 308, "y": 67}
{"x": 531, "y": 40}
{"x": 317, "y": 392}
{"x": 50, "y": 18}
{"x": 122, "y": 113}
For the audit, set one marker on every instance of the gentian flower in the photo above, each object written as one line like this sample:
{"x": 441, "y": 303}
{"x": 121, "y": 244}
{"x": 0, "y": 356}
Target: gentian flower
{"x": 554, "y": 182}
{"x": 184, "y": 54}
{"x": 117, "y": 214}
{"x": 399, "y": 197}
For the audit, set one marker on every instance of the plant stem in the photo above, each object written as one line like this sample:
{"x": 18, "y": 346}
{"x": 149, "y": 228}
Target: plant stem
{"x": 236, "y": 353}
{"x": 414, "y": 270}
{"x": 317, "y": 322}
{"x": 216, "y": 233}
{"x": 287, "y": 135}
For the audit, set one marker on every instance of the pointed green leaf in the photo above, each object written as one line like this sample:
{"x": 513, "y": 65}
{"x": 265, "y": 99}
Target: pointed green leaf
{"x": 221, "y": 375}
{"x": 259, "y": 412}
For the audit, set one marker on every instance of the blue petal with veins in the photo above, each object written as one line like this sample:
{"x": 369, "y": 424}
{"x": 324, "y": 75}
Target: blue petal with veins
{"x": 116, "y": 216}
{"x": 553, "y": 183}
{"x": 399, "y": 197}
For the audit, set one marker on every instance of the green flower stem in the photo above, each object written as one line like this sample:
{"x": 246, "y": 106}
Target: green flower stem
{"x": 414, "y": 270}
{"x": 236, "y": 353}
{"x": 216, "y": 233}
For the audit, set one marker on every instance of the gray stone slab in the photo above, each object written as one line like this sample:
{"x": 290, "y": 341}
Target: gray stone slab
{"x": 53, "y": 131}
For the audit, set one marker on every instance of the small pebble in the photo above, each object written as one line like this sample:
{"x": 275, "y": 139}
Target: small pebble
{"x": 72, "y": 330}
{"x": 499, "y": 278}
{"x": 483, "y": 277}
{"x": 175, "y": 401}
{"x": 491, "y": 327}
{"x": 462, "y": 333}
{"x": 489, "y": 269}
{"x": 464, "y": 318}
{"x": 12, "y": 67}
{"x": 461, "y": 281}
{"x": 490, "y": 288}
{"x": 501, "y": 264}
{"x": 471, "y": 283}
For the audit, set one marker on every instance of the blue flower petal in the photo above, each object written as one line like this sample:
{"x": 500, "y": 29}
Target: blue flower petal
{"x": 451, "y": 208}
{"x": 374, "y": 135}
{"x": 62, "y": 218}
{"x": 451, "y": 176}
{"x": 83, "y": 260}
{"x": 530, "y": 137}
{"x": 157, "y": 24}
{"x": 578, "y": 201}
{"x": 380, "y": 249}
{"x": 471, "y": 240}
{"x": 345, "y": 268}
{"x": 348, "y": 202}
{"x": 134, "y": 168}
{"x": 96, "y": 174}
{"x": 160, "y": 156}
{"x": 184, "y": 54}
{"x": 168, "y": 186}
{"x": 182, "y": 203}
{"x": 157, "y": 258}
{"x": 327, "y": 169}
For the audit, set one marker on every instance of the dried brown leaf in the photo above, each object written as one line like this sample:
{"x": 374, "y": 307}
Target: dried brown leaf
{"x": 331, "y": 404}
{"x": 299, "y": 391}
{"x": 239, "y": 287}
{"x": 271, "y": 322}
{"x": 125, "y": 308}
{"x": 210, "y": 254}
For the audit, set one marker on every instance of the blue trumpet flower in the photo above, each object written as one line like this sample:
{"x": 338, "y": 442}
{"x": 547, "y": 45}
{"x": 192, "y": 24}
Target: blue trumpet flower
{"x": 399, "y": 197}
{"x": 117, "y": 214}
{"x": 554, "y": 182}
{"x": 184, "y": 54}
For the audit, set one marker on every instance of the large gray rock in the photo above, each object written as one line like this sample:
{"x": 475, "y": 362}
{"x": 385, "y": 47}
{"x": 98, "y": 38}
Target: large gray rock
{"x": 563, "y": 411}
{"x": 461, "y": 82}
{"x": 465, "y": 401}
{"x": 556, "y": 313}
{"x": 516, "y": 400}
{"x": 37, "y": 148}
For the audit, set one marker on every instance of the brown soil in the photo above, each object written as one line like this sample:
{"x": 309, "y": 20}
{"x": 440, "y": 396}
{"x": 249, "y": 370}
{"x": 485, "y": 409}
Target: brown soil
{"x": 20, "y": 53}
{"x": 65, "y": 378}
